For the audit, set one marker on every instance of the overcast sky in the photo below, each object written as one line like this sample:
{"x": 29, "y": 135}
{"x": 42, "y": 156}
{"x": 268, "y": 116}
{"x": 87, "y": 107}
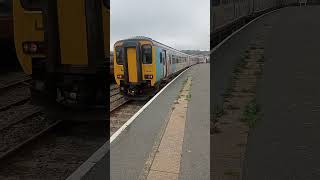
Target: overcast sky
{"x": 181, "y": 24}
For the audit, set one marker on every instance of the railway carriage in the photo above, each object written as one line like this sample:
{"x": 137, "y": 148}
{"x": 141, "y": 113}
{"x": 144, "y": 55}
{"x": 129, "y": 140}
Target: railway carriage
{"x": 142, "y": 64}
{"x": 64, "y": 46}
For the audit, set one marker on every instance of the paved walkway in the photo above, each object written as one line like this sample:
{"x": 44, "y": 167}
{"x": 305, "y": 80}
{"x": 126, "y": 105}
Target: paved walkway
{"x": 224, "y": 61}
{"x": 195, "y": 163}
{"x": 285, "y": 144}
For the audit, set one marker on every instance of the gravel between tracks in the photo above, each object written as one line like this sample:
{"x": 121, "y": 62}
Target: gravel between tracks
{"x": 121, "y": 115}
{"x": 19, "y": 132}
{"x": 56, "y": 154}
{"x": 14, "y": 95}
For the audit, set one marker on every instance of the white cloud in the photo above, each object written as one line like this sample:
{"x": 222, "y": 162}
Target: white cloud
{"x": 181, "y": 24}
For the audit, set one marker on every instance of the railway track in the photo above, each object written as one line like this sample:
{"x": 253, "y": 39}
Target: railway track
{"x": 49, "y": 149}
{"x": 116, "y": 99}
{"x": 123, "y": 113}
{"x": 20, "y": 122}
{"x": 14, "y": 89}
{"x": 55, "y": 154}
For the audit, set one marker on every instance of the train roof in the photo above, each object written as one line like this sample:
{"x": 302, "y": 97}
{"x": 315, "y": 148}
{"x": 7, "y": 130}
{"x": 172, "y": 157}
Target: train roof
{"x": 155, "y": 42}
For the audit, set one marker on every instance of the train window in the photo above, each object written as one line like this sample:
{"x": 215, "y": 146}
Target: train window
{"x": 119, "y": 58}
{"x": 146, "y": 54}
{"x": 33, "y": 5}
{"x": 106, "y": 3}
{"x": 160, "y": 57}
{"x": 215, "y": 2}
{"x": 6, "y": 6}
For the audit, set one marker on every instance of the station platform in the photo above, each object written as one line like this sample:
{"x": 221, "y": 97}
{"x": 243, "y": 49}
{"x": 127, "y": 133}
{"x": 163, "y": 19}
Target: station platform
{"x": 284, "y": 143}
{"x": 133, "y": 152}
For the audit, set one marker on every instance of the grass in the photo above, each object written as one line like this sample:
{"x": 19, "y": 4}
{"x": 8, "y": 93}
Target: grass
{"x": 237, "y": 70}
{"x": 251, "y": 114}
{"x": 232, "y": 107}
{"x": 228, "y": 92}
{"x": 188, "y": 98}
{"x": 183, "y": 84}
{"x": 231, "y": 172}
{"x": 218, "y": 112}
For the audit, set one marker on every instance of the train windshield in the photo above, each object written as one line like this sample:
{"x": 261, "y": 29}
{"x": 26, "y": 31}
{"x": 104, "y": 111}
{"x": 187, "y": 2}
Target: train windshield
{"x": 106, "y": 3}
{"x": 5, "y": 7}
{"x": 119, "y": 58}
{"x": 33, "y": 5}
{"x": 146, "y": 54}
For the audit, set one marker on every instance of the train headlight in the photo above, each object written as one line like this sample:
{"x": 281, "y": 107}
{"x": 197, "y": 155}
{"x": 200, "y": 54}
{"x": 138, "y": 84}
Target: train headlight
{"x": 120, "y": 76}
{"x": 33, "y": 47}
{"x": 148, "y": 76}
{"x": 73, "y": 95}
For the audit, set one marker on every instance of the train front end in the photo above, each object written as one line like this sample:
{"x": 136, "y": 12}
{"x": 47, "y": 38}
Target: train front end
{"x": 135, "y": 68}
{"x": 66, "y": 54}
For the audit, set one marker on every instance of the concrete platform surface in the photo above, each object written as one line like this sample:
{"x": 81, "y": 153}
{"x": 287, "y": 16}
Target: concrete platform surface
{"x": 195, "y": 163}
{"x": 284, "y": 145}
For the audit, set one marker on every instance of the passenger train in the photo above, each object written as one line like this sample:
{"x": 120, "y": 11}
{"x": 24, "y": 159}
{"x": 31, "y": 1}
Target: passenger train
{"x": 141, "y": 64}
{"x": 227, "y": 15}
{"x": 66, "y": 54}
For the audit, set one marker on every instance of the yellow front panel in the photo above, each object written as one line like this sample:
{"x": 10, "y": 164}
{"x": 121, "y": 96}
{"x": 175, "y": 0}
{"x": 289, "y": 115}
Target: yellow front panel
{"x": 132, "y": 65}
{"x": 72, "y": 31}
{"x": 28, "y": 26}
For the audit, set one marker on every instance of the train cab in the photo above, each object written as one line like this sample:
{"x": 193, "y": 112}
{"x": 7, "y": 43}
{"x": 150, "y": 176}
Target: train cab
{"x": 134, "y": 66}
{"x": 142, "y": 65}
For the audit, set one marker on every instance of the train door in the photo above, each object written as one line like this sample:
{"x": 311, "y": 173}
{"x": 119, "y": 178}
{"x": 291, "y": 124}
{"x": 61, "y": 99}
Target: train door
{"x": 132, "y": 65}
{"x": 164, "y": 64}
{"x": 161, "y": 67}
